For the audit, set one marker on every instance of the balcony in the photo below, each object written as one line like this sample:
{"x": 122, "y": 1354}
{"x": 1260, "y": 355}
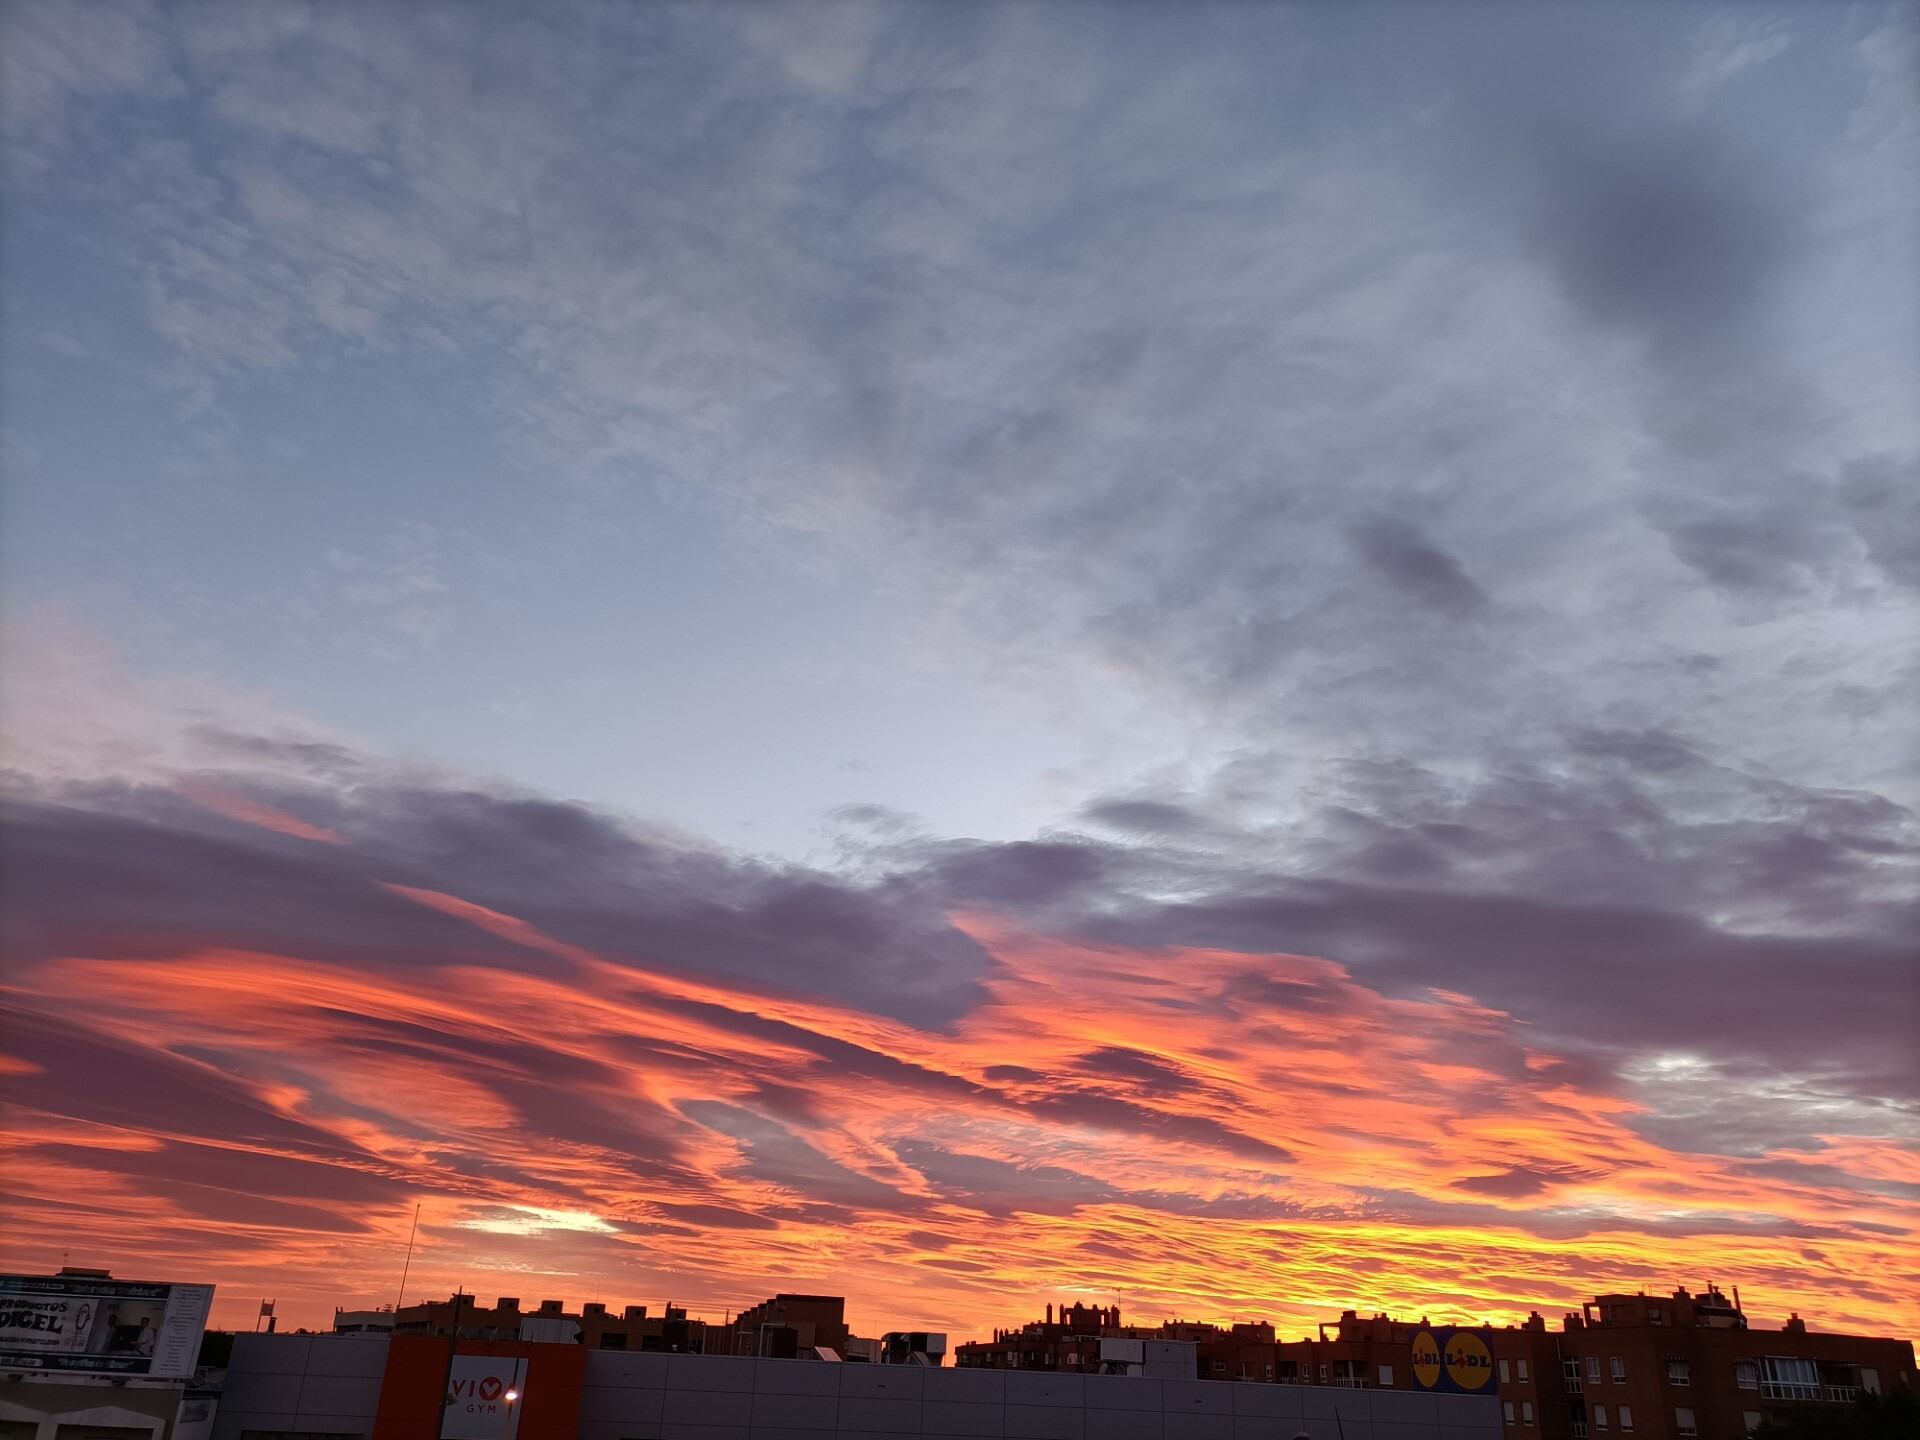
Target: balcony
{"x": 1578, "y": 1429}
{"x": 1572, "y": 1383}
{"x": 1787, "y": 1390}
{"x": 1843, "y": 1394}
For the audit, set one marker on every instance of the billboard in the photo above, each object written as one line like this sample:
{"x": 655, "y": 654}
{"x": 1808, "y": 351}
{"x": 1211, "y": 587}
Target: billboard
{"x": 1459, "y": 1362}
{"x": 102, "y": 1327}
{"x": 483, "y": 1397}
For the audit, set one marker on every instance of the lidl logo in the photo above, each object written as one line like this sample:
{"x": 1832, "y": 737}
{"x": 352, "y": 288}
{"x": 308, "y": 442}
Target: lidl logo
{"x": 1469, "y": 1362}
{"x": 1426, "y": 1360}
{"x": 1452, "y": 1360}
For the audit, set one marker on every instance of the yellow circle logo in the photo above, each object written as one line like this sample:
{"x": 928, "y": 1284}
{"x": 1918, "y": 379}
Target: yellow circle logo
{"x": 1469, "y": 1364}
{"x": 1426, "y": 1359}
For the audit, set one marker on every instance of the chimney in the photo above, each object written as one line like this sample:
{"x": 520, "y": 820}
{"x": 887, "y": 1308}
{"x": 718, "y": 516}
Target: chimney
{"x": 508, "y": 1303}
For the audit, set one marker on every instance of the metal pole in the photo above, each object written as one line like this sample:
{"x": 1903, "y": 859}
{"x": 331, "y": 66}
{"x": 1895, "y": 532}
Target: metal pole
{"x": 413, "y": 1230}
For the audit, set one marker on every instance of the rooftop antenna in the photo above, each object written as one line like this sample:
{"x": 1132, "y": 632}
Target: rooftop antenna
{"x": 405, "y": 1269}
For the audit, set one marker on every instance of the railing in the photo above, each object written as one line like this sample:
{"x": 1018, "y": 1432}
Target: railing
{"x": 1579, "y": 1429}
{"x": 1786, "y": 1390}
{"x": 1843, "y": 1394}
{"x": 1573, "y": 1384}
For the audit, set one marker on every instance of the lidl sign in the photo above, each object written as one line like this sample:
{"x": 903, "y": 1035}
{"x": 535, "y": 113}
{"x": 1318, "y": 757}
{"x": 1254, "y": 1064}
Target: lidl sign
{"x": 1459, "y": 1362}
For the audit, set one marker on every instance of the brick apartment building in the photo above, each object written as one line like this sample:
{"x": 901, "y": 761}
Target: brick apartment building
{"x": 783, "y": 1327}
{"x": 1068, "y": 1339}
{"x": 593, "y": 1325}
{"x": 790, "y": 1325}
{"x": 1672, "y": 1367}
{"x": 1627, "y": 1367}
{"x": 1071, "y": 1342}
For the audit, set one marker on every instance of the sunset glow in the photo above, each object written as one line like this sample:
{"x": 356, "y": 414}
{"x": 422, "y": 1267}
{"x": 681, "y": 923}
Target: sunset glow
{"x": 1204, "y": 1133}
{"x": 1242, "y": 659}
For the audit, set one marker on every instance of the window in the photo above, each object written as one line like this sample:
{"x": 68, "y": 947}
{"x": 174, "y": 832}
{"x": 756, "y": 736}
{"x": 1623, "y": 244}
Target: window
{"x": 1526, "y": 1412}
{"x": 1593, "y": 1368}
{"x": 1386, "y": 1375}
{"x": 1683, "y": 1421}
{"x": 1520, "y": 1370}
{"x": 1570, "y": 1372}
{"x": 1619, "y": 1370}
{"x": 1679, "y": 1372}
{"x": 1625, "y": 1412}
{"x": 1599, "y": 1417}
{"x": 1869, "y": 1380}
{"x": 1746, "y": 1374}
{"x": 1219, "y": 1367}
{"x": 1782, "y": 1377}
{"x": 1506, "y": 1408}
{"x": 1323, "y": 1374}
{"x": 1656, "y": 1316}
{"x": 1505, "y": 1378}
{"x": 1752, "y": 1420}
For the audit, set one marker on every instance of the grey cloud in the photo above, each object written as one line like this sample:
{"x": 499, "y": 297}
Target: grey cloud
{"x": 1131, "y": 397}
{"x": 1151, "y": 1075}
{"x": 1881, "y": 496}
{"x": 1149, "y": 817}
{"x": 1001, "y": 1187}
{"x": 85, "y": 1075}
{"x": 1517, "y": 1181}
{"x": 564, "y": 868}
{"x": 776, "y": 1154}
{"x": 1787, "y": 546}
{"x": 1670, "y": 230}
{"x": 1403, "y": 555}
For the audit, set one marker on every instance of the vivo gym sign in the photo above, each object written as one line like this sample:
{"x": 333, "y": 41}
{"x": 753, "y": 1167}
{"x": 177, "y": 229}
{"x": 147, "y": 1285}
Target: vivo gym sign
{"x": 483, "y": 1397}
{"x": 1459, "y": 1362}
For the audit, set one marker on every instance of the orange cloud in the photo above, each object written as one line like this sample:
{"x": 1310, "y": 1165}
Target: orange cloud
{"x": 235, "y": 806}
{"x": 1204, "y": 1133}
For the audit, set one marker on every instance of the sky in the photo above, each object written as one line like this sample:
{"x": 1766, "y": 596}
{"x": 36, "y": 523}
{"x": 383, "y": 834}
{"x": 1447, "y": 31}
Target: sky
{"x": 1253, "y": 659}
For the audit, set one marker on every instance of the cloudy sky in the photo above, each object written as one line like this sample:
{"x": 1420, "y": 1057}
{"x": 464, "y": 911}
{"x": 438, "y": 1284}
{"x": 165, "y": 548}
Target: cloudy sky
{"x": 1255, "y": 658}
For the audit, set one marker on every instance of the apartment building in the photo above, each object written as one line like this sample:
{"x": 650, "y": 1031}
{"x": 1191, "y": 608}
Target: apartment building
{"x": 1677, "y": 1366}
{"x": 1680, "y": 1366}
{"x": 787, "y": 1326}
{"x": 594, "y": 1325}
